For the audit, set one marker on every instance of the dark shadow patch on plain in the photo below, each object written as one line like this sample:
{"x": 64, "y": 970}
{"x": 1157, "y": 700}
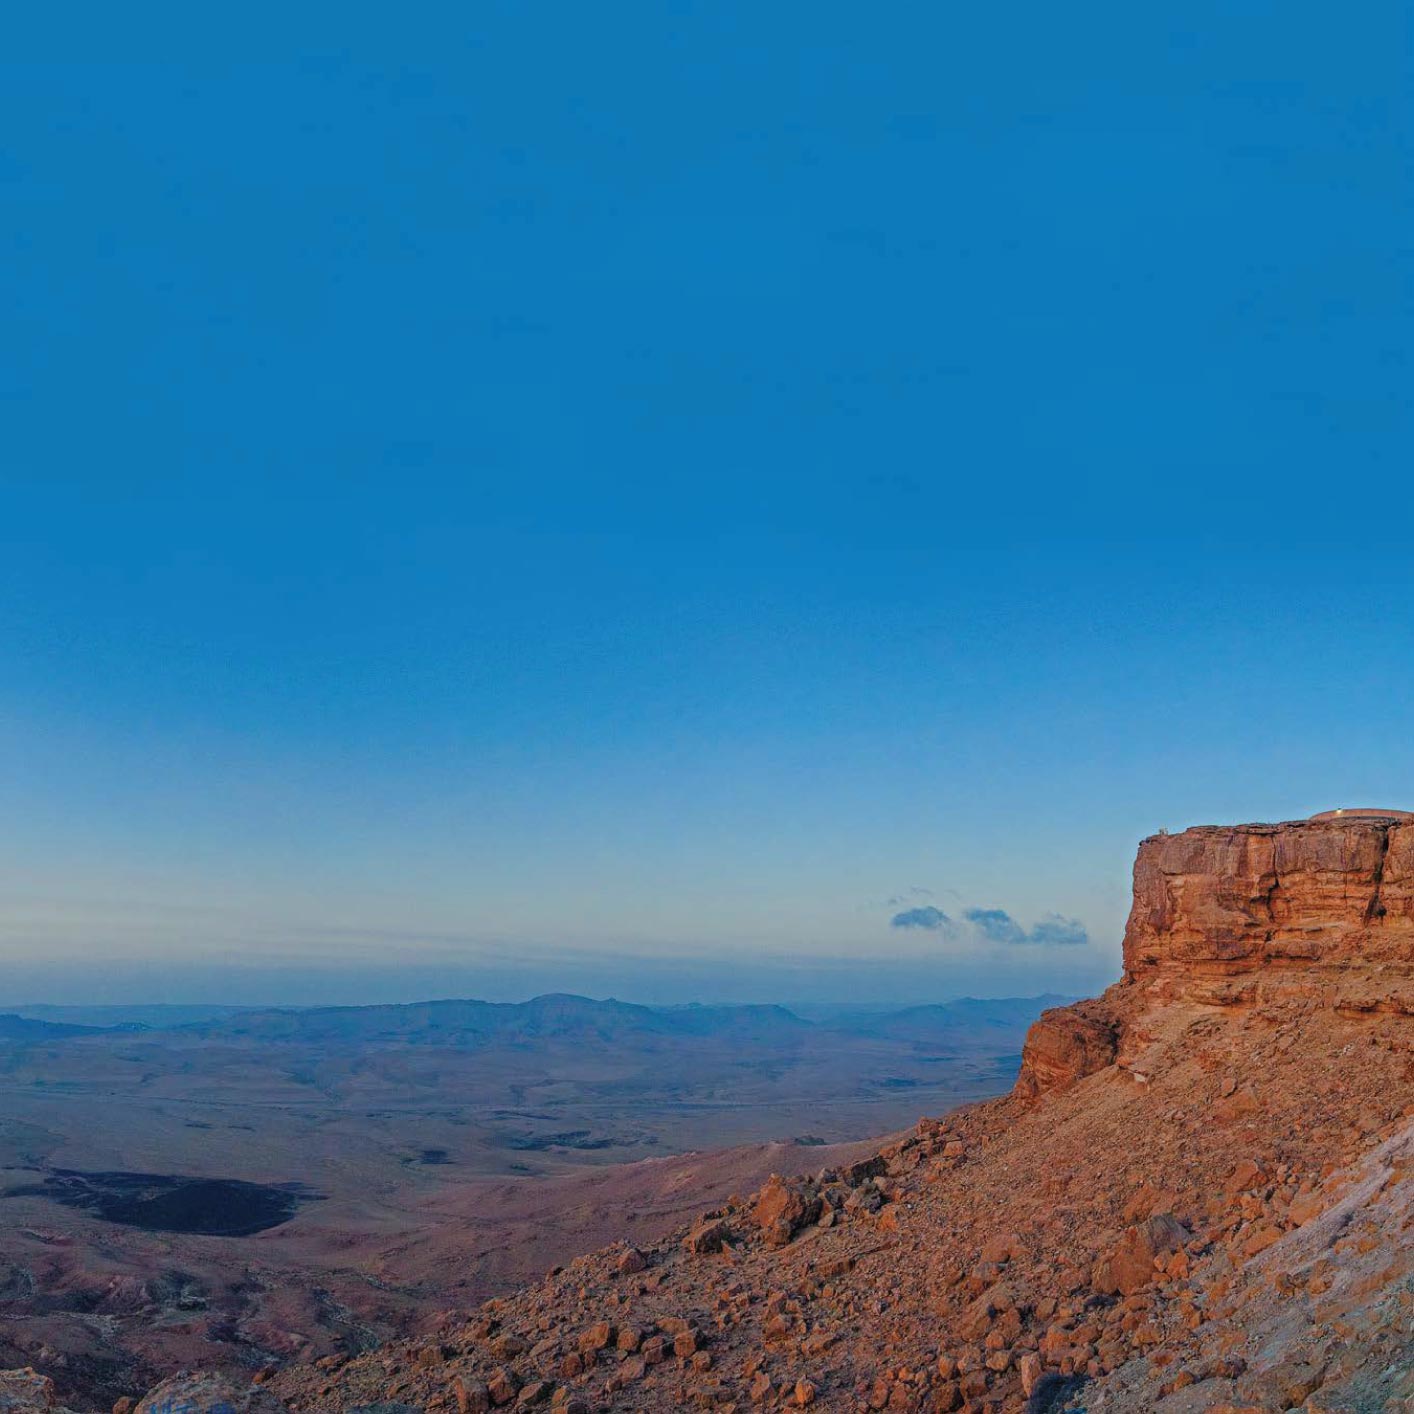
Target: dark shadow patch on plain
{"x": 157, "y": 1202}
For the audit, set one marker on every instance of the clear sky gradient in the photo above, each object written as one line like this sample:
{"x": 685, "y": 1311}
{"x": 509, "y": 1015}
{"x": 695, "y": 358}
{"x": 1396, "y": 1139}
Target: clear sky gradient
{"x": 633, "y": 499}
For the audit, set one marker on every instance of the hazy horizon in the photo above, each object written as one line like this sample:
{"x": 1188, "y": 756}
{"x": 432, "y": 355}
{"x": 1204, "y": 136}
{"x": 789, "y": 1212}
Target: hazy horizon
{"x": 845, "y": 984}
{"x": 109, "y": 1013}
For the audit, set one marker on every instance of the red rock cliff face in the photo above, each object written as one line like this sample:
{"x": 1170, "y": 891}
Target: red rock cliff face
{"x": 1229, "y": 915}
{"x": 1238, "y": 898}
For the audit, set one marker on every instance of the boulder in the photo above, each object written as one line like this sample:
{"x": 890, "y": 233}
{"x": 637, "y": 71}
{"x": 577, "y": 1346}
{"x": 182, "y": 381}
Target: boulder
{"x": 26, "y": 1391}
{"x": 207, "y": 1393}
{"x": 502, "y": 1386}
{"x": 782, "y": 1208}
{"x": 472, "y": 1396}
{"x": 599, "y": 1336}
{"x": 710, "y": 1235}
{"x": 855, "y": 1174}
{"x": 631, "y": 1262}
{"x": 1246, "y": 1176}
{"x": 1130, "y": 1266}
{"x": 1030, "y": 1370}
{"x": 1064, "y": 1044}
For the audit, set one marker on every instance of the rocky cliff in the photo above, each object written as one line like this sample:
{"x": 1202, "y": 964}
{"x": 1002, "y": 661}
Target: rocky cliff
{"x": 1319, "y": 911}
{"x": 1332, "y": 892}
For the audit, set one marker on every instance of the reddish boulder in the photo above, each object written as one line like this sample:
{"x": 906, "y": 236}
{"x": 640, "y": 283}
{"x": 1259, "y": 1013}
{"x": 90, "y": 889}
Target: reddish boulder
{"x": 1246, "y": 1176}
{"x": 502, "y": 1386}
{"x": 855, "y": 1174}
{"x": 783, "y": 1208}
{"x": 599, "y": 1336}
{"x": 472, "y": 1396}
{"x": 631, "y": 1262}
{"x": 206, "y": 1393}
{"x": 710, "y": 1235}
{"x": 1064, "y": 1045}
{"x": 1130, "y": 1266}
{"x": 26, "y": 1391}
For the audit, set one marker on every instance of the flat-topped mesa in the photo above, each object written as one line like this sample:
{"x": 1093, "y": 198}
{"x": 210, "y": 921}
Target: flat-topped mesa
{"x": 1334, "y": 890}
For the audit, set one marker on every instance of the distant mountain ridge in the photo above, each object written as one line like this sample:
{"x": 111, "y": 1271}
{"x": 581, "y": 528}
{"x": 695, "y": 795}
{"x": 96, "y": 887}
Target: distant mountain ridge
{"x": 966, "y": 1014}
{"x": 553, "y": 1016}
{"x": 107, "y": 1016}
{"x": 559, "y": 1015}
{"x": 23, "y": 1028}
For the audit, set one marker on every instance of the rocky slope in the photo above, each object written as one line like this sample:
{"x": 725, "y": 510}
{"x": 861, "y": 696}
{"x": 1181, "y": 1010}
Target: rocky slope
{"x": 1198, "y": 1197}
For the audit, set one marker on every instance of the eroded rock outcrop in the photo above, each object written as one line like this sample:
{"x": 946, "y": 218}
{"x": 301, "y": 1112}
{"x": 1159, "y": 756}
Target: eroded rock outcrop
{"x": 1065, "y": 1044}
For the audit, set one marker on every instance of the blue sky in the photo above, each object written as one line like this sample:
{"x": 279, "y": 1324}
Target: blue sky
{"x": 525, "y": 496}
